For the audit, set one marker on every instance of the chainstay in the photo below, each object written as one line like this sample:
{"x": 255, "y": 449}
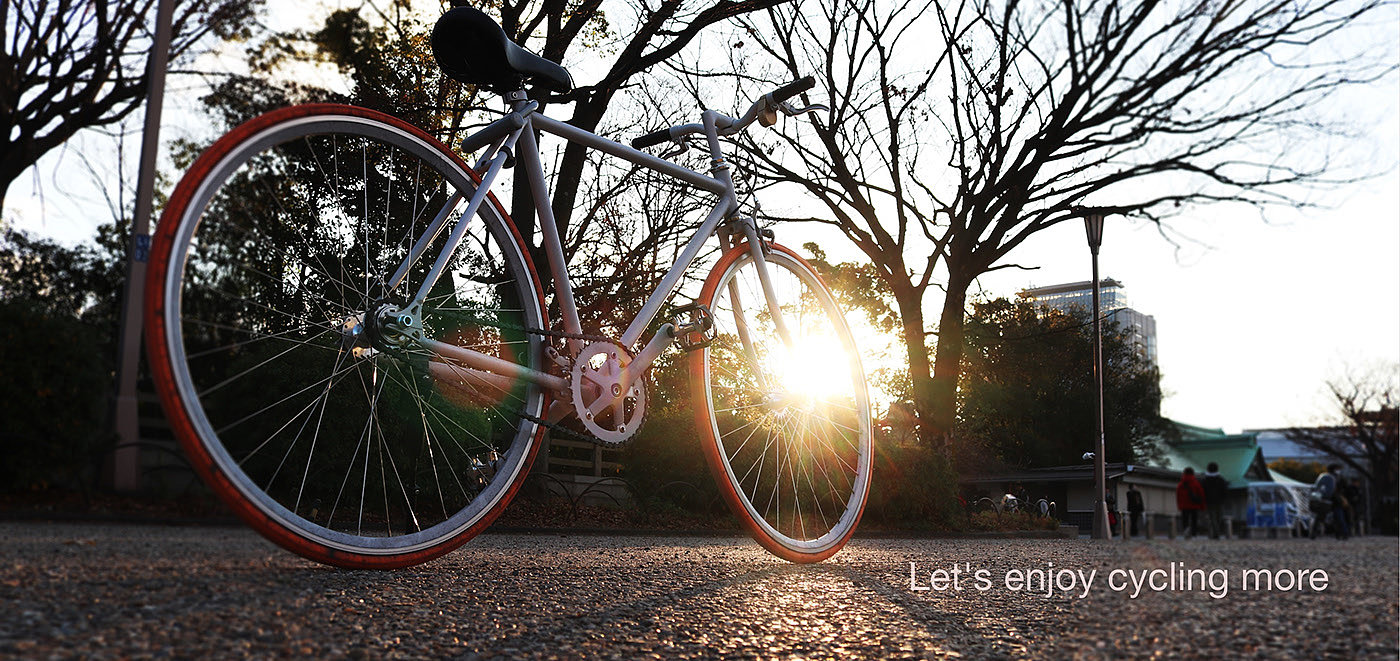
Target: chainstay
{"x": 556, "y": 427}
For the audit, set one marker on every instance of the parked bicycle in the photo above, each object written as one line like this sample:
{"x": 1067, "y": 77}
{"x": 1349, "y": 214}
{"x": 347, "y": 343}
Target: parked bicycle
{"x": 352, "y": 342}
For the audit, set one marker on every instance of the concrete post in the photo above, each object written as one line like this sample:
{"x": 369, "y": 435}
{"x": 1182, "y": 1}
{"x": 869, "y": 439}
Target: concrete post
{"x": 125, "y": 468}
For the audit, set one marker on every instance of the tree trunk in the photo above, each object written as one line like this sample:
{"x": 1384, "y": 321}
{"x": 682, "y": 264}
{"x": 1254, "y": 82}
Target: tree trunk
{"x": 911, "y": 316}
{"x": 947, "y": 362}
{"x": 11, "y": 167}
{"x": 587, "y": 115}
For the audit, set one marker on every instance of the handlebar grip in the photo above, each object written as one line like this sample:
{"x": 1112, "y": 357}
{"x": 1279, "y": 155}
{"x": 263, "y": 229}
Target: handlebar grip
{"x": 793, "y": 89}
{"x": 653, "y": 138}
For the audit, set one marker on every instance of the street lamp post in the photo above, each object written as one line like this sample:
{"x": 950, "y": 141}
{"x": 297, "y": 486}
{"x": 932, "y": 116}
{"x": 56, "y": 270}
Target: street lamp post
{"x": 1093, "y": 227}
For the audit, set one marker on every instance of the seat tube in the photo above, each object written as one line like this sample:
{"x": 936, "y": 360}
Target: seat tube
{"x": 529, "y": 157}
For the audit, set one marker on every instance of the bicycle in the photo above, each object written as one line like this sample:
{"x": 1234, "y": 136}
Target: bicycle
{"x": 352, "y": 342}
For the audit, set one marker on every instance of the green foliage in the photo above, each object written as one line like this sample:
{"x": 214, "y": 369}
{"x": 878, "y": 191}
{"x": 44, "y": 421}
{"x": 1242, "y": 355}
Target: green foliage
{"x": 53, "y": 397}
{"x": 1298, "y": 470}
{"x": 82, "y": 283}
{"x": 857, "y": 286}
{"x": 911, "y": 487}
{"x": 1028, "y": 395}
{"x": 387, "y": 66}
{"x": 665, "y": 463}
{"x": 58, "y": 315}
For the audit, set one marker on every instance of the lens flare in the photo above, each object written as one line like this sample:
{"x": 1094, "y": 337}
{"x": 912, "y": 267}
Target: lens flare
{"x": 815, "y": 368}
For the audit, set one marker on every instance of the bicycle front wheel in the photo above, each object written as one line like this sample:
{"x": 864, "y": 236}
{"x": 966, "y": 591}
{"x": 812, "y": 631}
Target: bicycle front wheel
{"x": 271, "y": 271}
{"x": 785, "y": 423}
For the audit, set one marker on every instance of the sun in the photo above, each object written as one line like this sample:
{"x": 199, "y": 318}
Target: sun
{"x": 815, "y": 368}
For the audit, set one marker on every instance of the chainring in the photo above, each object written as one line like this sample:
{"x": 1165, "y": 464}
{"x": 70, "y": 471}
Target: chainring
{"x": 608, "y": 409}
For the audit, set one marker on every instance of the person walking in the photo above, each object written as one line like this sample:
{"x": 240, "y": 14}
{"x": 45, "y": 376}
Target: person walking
{"x": 1216, "y": 489}
{"x": 1190, "y": 499}
{"x": 1323, "y": 500}
{"x": 1135, "y": 509}
{"x": 1342, "y": 510}
{"x": 1110, "y": 500}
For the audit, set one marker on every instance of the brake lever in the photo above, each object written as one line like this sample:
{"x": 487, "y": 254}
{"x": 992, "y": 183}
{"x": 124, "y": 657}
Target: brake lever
{"x": 767, "y": 116}
{"x": 792, "y": 111}
{"x": 682, "y": 146}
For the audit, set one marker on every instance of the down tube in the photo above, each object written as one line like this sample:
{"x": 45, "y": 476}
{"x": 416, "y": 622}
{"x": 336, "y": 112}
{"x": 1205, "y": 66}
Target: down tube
{"x": 668, "y": 284}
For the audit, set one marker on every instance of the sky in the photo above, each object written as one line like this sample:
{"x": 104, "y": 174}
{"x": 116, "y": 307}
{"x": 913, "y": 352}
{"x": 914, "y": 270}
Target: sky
{"x": 1252, "y": 318}
{"x": 1253, "y": 315}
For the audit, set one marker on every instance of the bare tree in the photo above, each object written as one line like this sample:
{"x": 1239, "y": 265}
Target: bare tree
{"x": 653, "y": 34}
{"x": 1047, "y": 107}
{"x": 1144, "y": 108}
{"x": 629, "y": 224}
{"x": 68, "y": 65}
{"x": 866, "y": 159}
{"x": 1367, "y": 436}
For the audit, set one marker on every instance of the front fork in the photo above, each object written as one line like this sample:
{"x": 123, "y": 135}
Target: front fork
{"x": 759, "y": 242}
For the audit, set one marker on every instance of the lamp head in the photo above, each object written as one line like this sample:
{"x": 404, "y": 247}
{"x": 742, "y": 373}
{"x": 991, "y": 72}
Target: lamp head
{"x": 1093, "y": 227}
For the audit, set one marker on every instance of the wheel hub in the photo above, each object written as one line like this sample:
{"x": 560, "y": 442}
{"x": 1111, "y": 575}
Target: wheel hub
{"x": 382, "y": 327}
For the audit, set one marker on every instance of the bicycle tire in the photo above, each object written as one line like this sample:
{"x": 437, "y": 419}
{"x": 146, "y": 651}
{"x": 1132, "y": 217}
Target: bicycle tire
{"x": 811, "y": 426}
{"x": 265, "y": 269}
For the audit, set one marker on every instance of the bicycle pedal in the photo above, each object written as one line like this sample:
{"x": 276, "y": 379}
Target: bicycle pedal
{"x": 694, "y": 326}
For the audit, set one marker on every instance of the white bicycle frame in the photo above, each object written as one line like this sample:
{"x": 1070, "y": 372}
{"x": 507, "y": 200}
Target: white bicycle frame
{"x": 515, "y": 133}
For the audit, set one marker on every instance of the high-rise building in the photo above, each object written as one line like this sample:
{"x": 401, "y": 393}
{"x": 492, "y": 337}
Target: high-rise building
{"x": 1142, "y": 328}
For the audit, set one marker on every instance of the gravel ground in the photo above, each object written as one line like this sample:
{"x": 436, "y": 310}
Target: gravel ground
{"x": 85, "y": 590}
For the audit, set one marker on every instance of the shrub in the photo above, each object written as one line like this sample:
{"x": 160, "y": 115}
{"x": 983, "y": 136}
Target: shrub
{"x": 911, "y": 487}
{"x": 666, "y": 466}
{"x": 993, "y": 521}
{"x": 53, "y": 398}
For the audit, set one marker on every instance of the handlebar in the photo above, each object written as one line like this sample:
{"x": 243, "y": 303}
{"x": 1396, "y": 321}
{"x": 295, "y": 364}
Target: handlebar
{"x": 653, "y": 138}
{"x": 769, "y": 102}
{"x": 792, "y": 89}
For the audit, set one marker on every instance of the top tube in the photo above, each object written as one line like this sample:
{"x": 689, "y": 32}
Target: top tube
{"x": 575, "y": 134}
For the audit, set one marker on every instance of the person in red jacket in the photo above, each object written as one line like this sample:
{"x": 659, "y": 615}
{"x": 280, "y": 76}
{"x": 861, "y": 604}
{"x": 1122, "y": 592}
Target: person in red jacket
{"x": 1190, "y": 499}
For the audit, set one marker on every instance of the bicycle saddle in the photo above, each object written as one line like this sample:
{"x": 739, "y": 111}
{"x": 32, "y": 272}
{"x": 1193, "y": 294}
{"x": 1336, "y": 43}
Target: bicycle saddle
{"x": 473, "y": 49}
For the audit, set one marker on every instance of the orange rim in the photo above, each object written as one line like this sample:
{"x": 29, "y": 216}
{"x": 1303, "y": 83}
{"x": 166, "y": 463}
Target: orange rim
{"x": 165, "y": 382}
{"x": 711, "y": 442}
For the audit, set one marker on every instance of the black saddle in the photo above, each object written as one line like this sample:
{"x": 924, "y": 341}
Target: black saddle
{"x": 473, "y": 49}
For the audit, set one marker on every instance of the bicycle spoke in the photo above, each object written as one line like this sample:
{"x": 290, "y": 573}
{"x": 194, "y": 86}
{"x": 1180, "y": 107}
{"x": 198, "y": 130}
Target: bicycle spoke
{"x": 294, "y": 391}
{"x": 795, "y": 454}
{"x": 206, "y": 392}
{"x": 330, "y": 383}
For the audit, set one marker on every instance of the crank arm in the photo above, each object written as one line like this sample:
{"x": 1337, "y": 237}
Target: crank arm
{"x": 660, "y": 342}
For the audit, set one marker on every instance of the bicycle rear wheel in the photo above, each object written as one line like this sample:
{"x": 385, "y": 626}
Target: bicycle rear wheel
{"x": 269, "y": 269}
{"x": 785, "y": 426}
